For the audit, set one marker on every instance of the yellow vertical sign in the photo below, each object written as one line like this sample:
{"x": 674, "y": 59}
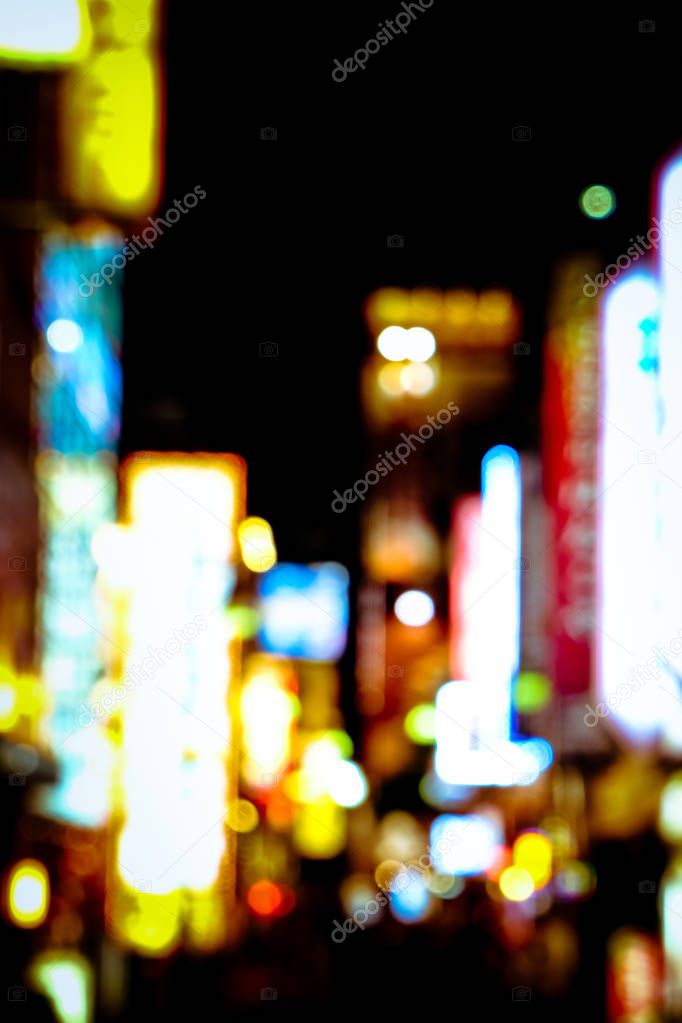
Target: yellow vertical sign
{"x": 111, "y": 129}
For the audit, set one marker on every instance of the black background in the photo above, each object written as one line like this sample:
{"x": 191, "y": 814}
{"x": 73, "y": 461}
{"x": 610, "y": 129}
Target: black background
{"x": 292, "y": 234}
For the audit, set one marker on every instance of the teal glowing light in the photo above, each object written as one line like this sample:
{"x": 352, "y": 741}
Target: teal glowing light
{"x": 410, "y": 897}
{"x": 597, "y": 202}
{"x": 78, "y": 414}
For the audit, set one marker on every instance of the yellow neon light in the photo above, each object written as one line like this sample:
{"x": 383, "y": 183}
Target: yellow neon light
{"x": 111, "y": 109}
{"x": 28, "y": 893}
{"x": 257, "y": 544}
{"x": 268, "y": 712}
{"x": 516, "y": 884}
{"x": 533, "y": 852}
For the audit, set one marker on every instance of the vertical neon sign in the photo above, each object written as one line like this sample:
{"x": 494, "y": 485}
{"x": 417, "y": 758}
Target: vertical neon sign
{"x": 174, "y": 858}
{"x": 77, "y": 408}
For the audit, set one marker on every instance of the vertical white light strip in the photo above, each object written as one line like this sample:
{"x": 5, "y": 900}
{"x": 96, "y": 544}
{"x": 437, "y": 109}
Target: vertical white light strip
{"x": 493, "y": 623}
{"x": 456, "y": 723}
{"x": 177, "y": 745}
{"x": 179, "y": 722}
{"x": 474, "y": 744}
{"x": 627, "y": 519}
{"x": 669, "y": 214}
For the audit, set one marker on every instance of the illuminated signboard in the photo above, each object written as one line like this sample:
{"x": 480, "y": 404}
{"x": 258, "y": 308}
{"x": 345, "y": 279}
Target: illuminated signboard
{"x": 570, "y": 421}
{"x": 77, "y": 410}
{"x": 111, "y": 113}
{"x": 44, "y": 33}
{"x": 474, "y": 734}
{"x": 628, "y": 530}
{"x": 457, "y": 317}
{"x": 174, "y": 854}
{"x": 640, "y": 548}
{"x": 304, "y": 611}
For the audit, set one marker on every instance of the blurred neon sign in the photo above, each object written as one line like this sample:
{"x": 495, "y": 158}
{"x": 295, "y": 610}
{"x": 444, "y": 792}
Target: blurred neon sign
{"x": 77, "y": 408}
{"x": 44, "y": 33}
{"x": 473, "y": 724}
{"x": 304, "y": 611}
{"x": 183, "y": 512}
{"x": 640, "y": 508}
{"x": 111, "y": 113}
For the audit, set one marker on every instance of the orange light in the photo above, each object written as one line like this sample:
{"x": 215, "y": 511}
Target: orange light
{"x": 264, "y": 898}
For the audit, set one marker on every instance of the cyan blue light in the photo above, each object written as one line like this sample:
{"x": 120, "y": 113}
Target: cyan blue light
{"x": 541, "y": 751}
{"x": 410, "y": 898}
{"x": 304, "y": 611}
{"x": 67, "y": 421}
{"x": 78, "y": 411}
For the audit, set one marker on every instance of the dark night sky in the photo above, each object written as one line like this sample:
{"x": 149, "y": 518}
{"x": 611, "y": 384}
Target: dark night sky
{"x": 292, "y": 234}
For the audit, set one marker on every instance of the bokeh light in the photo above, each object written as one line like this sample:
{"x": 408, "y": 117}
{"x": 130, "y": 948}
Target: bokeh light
{"x": 420, "y": 724}
{"x": 597, "y": 202}
{"x": 64, "y": 336}
{"x": 28, "y": 893}
{"x": 414, "y": 608}
{"x": 516, "y": 884}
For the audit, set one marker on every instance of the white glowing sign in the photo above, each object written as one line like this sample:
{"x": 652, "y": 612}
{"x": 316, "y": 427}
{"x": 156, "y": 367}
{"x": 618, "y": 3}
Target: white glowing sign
{"x": 627, "y": 519}
{"x": 640, "y": 485}
{"x": 474, "y": 740}
{"x": 177, "y": 742}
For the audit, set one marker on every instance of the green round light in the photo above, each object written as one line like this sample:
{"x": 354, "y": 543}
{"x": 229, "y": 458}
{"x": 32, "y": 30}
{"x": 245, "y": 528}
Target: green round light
{"x": 420, "y": 724}
{"x": 597, "y": 202}
{"x": 532, "y": 692}
{"x": 243, "y": 621}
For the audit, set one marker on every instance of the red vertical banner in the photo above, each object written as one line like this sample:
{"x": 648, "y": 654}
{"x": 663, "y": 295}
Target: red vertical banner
{"x": 464, "y": 582}
{"x": 536, "y": 618}
{"x": 570, "y": 436}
